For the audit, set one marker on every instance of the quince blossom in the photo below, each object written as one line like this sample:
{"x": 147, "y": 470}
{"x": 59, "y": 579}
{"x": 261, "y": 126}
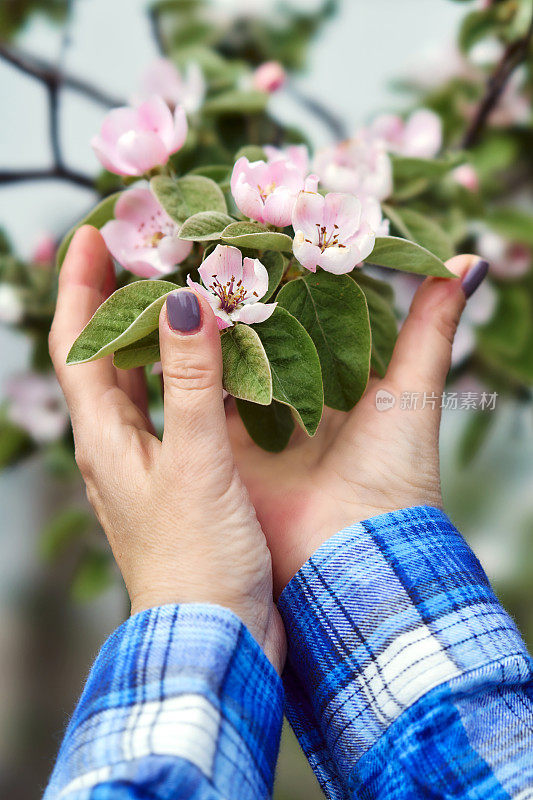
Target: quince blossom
{"x": 267, "y": 191}
{"x": 269, "y": 77}
{"x": 507, "y": 259}
{"x": 358, "y": 166}
{"x": 234, "y": 287}
{"x": 35, "y": 403}
{"x": 142, "y": 237}
{"x": 334, "y": 232}
{"x": 297, "y": 154}
{"x": 132, "y": 141}
{"x": 420, "y": 136}
{"x": 163, "y": 78}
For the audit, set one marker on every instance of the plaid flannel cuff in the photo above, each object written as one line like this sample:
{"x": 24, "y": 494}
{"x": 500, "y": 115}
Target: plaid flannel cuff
{"x": 176, "y": 690}
{"x": 385, "y": 611}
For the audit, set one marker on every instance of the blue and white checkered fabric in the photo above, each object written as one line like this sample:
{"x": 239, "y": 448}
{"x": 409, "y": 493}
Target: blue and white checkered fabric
{"x": 180, "y": 703}
{"x": 406, "y": 679}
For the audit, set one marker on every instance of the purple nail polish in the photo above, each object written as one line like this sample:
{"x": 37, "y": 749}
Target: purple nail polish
{"x": 183, "y": 312}
{"x": 474, "y": 277}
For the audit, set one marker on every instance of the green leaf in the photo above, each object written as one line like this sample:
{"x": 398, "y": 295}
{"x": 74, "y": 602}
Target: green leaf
{"x": 252, "y": 152}
{"x": 256, "y": 237}
{"x": 507, "y": 332}
{"x": 296, "y": 374}
{"x": 477, "y": 26}
{"x": 128, "y": 315}
{"x": 383, "y": 325}
{"x": 66, "y": 527}
{"x": 139, "y": 354}
{"x": 189, "y": 195}
{"x": 220, "y": 173}
{"x": 98, "y": 217}
{"x": 14, "y": 443}
{"x": 246, "y": 369}
{"x": 513, "y": 223}
{"x": 275, "y": 266}
{"x": 422, "y": 230}
{"x": 93, "y": 576}
{"x": 236, "y": 102}
{"x": 474, "y": 436}
{"x": 270, "y": 427}
{"x": 409, "y": 169}
{"x": 205, "y": 226}
{"x": 333, "y": 310}
{"x": 401, "y": 254}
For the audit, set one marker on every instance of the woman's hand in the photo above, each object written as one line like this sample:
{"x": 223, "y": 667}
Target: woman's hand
{"x": 177, "y": 516}
{"x": 368, "y": 461}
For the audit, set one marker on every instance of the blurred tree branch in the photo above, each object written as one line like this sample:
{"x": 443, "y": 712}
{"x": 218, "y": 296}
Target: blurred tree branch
{"x": 515, "y": 54}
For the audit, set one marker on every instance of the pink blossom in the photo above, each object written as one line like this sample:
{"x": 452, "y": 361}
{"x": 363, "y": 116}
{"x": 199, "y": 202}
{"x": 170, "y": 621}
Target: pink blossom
{"x": 36, "y": 404}
{"x": 269, "y": 77}
{"x": 296, "y": 154}
{"x": 358, "y": 166}
{"x": 142, "y": 237}
{"x": 332, "y": 232}
{"x": 163, "y": 78}
{"x": 267, "y": 192}
{"x": 132, "y": 141}
{"x": 234, "y": 287}
{"x": 44, "y": 251}
{"x": 420, "y": 136}
{"x": 467, "y": 177}
{"x": 507, "y": 259}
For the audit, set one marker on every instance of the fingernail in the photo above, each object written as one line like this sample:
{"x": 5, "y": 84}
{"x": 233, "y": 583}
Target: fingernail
{"x": 183, "y": 312}
{"x": 474, "y": 277}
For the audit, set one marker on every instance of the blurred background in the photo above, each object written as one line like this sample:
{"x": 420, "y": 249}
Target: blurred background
{"x": 59, "y": 593}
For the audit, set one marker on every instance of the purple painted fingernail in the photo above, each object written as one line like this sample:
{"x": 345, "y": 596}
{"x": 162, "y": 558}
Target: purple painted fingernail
{"x": 474, "y": 277}
{"x": 183, "y": 312}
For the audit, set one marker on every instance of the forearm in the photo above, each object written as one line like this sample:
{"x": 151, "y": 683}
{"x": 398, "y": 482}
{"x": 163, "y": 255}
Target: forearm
{"x": 181, "y": 701}
{"x": 405, "y": 676}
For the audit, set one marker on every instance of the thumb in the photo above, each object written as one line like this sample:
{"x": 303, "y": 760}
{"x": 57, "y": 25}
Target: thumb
{"x": 422, "y": 356}
{"x": 191, "y": 358}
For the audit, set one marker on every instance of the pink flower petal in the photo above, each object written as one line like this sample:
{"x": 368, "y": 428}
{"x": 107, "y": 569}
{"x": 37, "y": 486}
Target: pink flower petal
{"x": 108, "y": 157}
{"x": 154, "y": 116}
{"x": 118, "y": 122}
{"x": 142, "y": 151}
{"x": 136, "y": 206}
{"x": 279, "y": 207}
{"x": 255, "y": 312}
{"x": 308, "y": 212}
{"x": 173, "y": 251}
{"x": 343, "y": 211}
{"x": 224, "y": 263}
{"x": 121, "y": 239}
{"x": 340, "y": 260}
{"x": 249, "y": 201}
{"x": 423, "y": 134}
{"x": 254, "y": 278}
{"x": 181, "y": 129}
{"x": 308, "y": 254}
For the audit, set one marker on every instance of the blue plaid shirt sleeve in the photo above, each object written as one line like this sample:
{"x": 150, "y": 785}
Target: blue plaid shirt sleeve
{"x": 405, "y": 677}
{"x": 180, "y": 703}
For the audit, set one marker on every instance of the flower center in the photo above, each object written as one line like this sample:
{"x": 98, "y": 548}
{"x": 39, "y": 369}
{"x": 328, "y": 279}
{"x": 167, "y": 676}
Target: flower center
{"x": 327, "y": 238}
{"x": 155, "y": 228}
{"x": 265, "y": 191}
{"x": 231, "y": 294}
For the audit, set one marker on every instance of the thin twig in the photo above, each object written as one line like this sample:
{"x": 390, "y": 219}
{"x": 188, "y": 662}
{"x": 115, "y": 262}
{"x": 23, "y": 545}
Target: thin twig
{"x": 54, "y": 173}
{"x": 50, "y": 76}
{"x": 330, "y": 120}
{"x": 514, "y": 55}
{"x": 157, "y": 33}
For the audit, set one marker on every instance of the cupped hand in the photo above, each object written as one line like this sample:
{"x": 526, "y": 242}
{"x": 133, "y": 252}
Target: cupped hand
{"x": 177, "y": 516}
{"x": 368, "y": 461}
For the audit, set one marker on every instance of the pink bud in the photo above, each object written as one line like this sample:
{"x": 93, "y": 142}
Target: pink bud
{"x": 45, "y": 250}
{"x": 467, "y": 177}
{"x": 132, "y": 141}
{"x": 269, "y": 77}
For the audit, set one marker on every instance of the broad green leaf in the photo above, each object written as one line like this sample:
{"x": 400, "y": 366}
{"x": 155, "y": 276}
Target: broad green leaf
{"x": 139, "y": 354}
{"x": 131, "y": 313}
{"x": 383, "y": 325}
{"x": 275, "y": 265}
{"x": 252, "y": 152}
{"x": 422, "y": 230}
{"x": 513, "y": 223}
{"x": 474, "y": 436}
{"x": 205, "y": 226}
{"x": 333, "y": 310}
{"x": 270, "y": 427}
{"x": 98, "y": 217}
{"x": 256, "y": 237}
{"x": 93, "y": 576}
{"x": 246, "y": 368}
{"x": 189, "y": 195}
{"x": 477, "y": 26}
{"x": 14, "y": 443}
{"x": 296, "y": 374}
{"x": 506, "y": 333}
{"x": 409, "y": 169}
{"x": 220, "y": 173}
{"x": 236, "y": 102}
{"x": 61, "y": 530}
{"x": 406, "y": 256}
